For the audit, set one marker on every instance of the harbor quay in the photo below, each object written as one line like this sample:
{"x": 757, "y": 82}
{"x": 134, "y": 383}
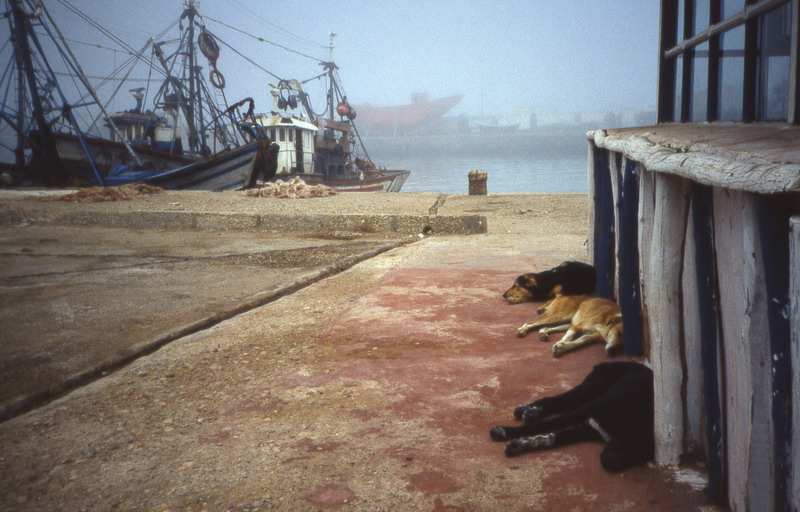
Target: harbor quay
{"x": 213, "y": 351}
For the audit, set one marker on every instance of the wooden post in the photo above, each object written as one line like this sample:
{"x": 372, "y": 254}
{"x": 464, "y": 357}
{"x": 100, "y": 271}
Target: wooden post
{"x": 773, "y": 226}
{"x": 794, "y": 69}
{"x": 592, "y": 224}
{"x": 615, "y": 180}
{"x": 645, "y": 234}
{"x": 760, "y": 488}
{"x": 692, "y": 331}
{"x": 628, "y": 290}
{"x": 749, "y": 418}
{"x": 794, "y": 293}
{"x": 603, "y": 257}
{"x": 669, "y": 231}
{"x": 709, "y": 340}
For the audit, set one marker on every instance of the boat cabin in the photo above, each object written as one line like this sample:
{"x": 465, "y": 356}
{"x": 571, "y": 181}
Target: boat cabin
{"x": 143, "y": 128}
{"x": 295, "y": 138}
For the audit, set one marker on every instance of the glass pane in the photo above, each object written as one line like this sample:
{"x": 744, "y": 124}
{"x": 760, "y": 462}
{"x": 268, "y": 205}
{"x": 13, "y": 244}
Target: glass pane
{"x": 775, "y": 45}
{"x": 731, "y": 7}
{"x": 679, "y": 37}
{"x": 731, "y": 75}
{"x": 777, "y": 89}
{"x": 700, "y": 84}
{"x": 701, "y": 15}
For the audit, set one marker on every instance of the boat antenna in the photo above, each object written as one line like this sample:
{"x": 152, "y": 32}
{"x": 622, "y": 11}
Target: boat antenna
{"x": 330, "y": 66}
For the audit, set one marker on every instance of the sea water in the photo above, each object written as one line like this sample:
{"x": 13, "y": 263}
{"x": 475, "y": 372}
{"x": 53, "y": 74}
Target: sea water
{"x": 518, "y": 174}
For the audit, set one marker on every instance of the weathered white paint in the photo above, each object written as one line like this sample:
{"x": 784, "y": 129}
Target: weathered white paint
{"x": 614, "y": 160}
{"x": 728, "y": 234}
{"x": 645, "y": 226}
{"x": 755, "y": 329}
{"x": 794, "y": 294}
{"x": 694, "y": 406}
{"x": 664, "y": 291}
{"x": 592, "y": 207}
{"x": 694, "y": 161}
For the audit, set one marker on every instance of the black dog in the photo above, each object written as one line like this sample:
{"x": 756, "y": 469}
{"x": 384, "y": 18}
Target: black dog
{"x": 614, "y": 404}
{"x": 569, "y": 278}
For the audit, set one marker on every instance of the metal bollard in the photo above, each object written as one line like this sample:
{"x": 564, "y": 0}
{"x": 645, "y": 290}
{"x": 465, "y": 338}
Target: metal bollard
{"x": 477, "y": 182}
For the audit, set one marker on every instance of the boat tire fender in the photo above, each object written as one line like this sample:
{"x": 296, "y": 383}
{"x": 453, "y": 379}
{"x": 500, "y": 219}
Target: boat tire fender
{"x": 217, "y": 78}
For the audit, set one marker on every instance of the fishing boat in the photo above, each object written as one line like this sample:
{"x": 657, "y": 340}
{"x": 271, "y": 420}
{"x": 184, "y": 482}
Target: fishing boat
{"x": 320, "y": 149}
{"x": 187, "y": 141}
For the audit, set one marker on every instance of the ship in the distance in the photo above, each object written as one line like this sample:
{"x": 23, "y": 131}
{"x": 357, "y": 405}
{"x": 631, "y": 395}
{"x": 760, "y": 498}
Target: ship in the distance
{"x": 408, "y": 119}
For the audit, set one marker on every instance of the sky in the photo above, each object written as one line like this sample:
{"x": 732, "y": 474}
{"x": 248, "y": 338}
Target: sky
{"x": 504, "y": 57}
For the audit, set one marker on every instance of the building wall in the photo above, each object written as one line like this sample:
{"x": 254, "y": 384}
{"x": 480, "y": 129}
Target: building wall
{"x": 713, "y": 321}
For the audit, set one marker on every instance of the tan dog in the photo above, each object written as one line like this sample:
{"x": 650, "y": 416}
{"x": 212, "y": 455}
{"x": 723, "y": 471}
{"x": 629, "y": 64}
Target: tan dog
{"x": 595, "y": 320}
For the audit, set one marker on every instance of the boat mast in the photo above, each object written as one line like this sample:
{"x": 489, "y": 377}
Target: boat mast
{"x": 53, "y": 172}
{"x": 195, "y": 138}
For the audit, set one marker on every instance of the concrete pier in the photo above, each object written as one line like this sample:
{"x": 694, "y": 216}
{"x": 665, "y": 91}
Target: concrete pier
{"x": 204, "y": 351}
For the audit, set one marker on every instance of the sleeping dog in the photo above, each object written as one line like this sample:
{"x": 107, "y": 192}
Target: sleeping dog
{"x": 569, "y": 278}
{"x": 586, "y": 319}
{"x": 614, "y": 404}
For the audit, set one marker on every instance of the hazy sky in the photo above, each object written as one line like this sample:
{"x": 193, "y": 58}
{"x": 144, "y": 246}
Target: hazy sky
{"x": 503, "y": 56}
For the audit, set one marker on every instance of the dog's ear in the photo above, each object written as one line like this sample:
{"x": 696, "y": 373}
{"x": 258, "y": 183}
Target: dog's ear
{"x": 616, "y": 319}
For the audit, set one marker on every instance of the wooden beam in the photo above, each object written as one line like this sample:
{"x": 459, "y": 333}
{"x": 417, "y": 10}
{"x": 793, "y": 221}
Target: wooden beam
{"x": 750, "y": 12}
{"x": 709, "y": 340}
{"x": 729, "y": 219}
{"x": 628, "y": 290}
{"x": 760, "y": 476}
{"x": 773, "y": 225}
{"x": 665, "y": 310}
{"x": 592, "y": 220}
{"x": 707, "y": 168}
{"x": 603, "y": 257}
{"x": 645, "y": 219}
{"x": 794, "y": 293}
{"x": 692, "y": 331}
{"x": 794, "y": 67}
{"x": 614, "y": 165}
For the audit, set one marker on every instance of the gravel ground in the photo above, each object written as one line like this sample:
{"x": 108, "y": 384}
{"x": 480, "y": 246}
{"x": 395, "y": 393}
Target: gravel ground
{"x": 373, "y": 389}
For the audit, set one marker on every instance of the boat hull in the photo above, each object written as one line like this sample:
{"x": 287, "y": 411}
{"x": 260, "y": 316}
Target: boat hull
{"x": 390, "y": 181}
{"x": 108, "y": 155}
{"x": 403, "y": 119}
{"x": 228, "y": 170}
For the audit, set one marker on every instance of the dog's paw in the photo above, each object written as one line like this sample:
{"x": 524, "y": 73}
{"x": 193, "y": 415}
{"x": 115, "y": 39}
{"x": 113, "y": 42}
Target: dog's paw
{"x": 498, "y": 434}
{"x": 521, "y": 332}
{"x": 543, "y": 336}
{"x": 529, "y": 444}
{"x": 519, "y": 412}
{"x": 531, "y": 414}
{"x": 558, "y": 350}
{"x": 515, "y": 447}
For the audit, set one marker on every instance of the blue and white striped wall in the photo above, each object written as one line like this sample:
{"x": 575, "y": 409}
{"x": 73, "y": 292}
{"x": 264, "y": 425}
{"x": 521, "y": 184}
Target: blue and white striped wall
{"x": 708, "y": 279}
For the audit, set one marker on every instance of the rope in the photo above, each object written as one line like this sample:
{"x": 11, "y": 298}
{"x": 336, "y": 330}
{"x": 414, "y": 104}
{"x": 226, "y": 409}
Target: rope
{"x": 261, "y": 39}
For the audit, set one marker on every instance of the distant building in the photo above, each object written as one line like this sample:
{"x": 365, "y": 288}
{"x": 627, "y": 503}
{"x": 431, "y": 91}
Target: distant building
{"x": 696, "y": 233}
